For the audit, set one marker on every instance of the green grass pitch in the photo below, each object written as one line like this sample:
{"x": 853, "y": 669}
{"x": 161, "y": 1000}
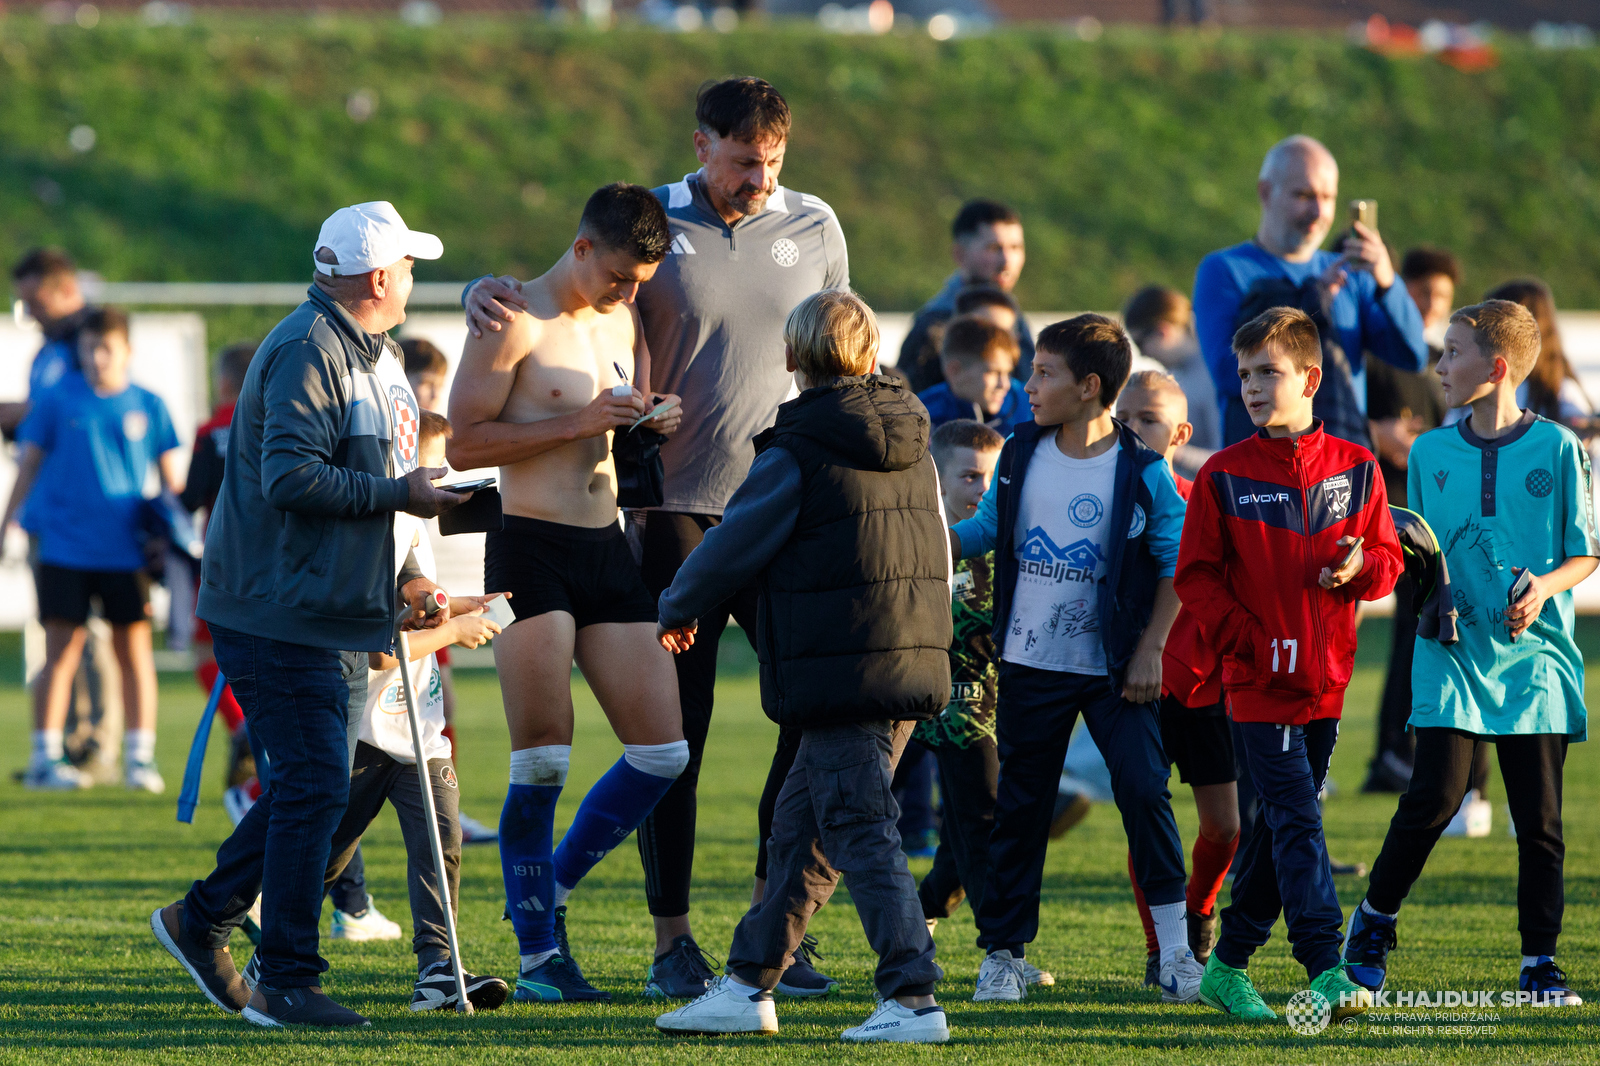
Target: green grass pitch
{"x": 82, "y": 980}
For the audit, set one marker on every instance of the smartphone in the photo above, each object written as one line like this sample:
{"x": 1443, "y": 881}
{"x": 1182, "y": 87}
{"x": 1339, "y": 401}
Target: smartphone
{"x": 1349, "y": 556}
{"x": 470, "y": 486}
{"x": 1366, "y": 213}
{"x": 1519, "y": 587}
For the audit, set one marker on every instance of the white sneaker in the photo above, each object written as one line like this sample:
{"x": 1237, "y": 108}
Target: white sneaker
{"x": 1032, "y": 975}
{"x": 372, "y": 925}
{"x": 1180, "y": 978}
{"x": 475, "y": 832}
{"x": 723, "y": 1009}
{"x": 891, "y": 1022}
{"x": 1475, "y": 818}
{"x": 144, "y": 777}
{"x": 933, "y": 923}
{"x": 1000, "y": 979}
{"x": 237, "y": 802}
{"x": 57, "y": 776}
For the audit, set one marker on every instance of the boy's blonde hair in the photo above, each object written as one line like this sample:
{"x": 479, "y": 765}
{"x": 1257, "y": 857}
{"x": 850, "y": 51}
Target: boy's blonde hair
{"x": 1506, "y": 329}
{"x": 833, "y": 334}
{"x": 1288, "y": 331}
{"x": 970, "y": 339}
{"x": 1157, "y": 383}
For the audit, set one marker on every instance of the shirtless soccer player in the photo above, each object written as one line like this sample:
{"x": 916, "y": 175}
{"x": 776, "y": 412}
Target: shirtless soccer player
{"x": 539, "y": 400}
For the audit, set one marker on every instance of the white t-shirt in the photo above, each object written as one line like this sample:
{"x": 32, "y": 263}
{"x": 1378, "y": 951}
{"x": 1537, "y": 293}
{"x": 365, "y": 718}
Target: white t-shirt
{"x": 1061, "y": 537}
{"x": 383, "y": 723}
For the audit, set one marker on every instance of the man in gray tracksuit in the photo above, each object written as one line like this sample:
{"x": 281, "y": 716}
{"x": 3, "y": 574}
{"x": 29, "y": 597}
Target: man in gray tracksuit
{"x": 298, "y": 583}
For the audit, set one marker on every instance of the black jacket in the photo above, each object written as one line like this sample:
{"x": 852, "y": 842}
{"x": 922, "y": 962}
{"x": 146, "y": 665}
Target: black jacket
{"x": 854, "y": 620}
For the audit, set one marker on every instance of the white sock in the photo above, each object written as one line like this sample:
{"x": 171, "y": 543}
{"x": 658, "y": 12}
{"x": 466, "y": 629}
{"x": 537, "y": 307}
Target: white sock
{"x": 736, "y": 985}
{"x": 1370, "y": 909}
{"x": 1533, "y": 960}
{"x": 1172, "y": 929}
{"x": 139, "y": 745}
{"x": 536, "y": 960}
{"x": 49, "y": 745}
{"x": 545, "y": 765}
{"x": 562, "y": 892}
{"x": 659, "y": 760}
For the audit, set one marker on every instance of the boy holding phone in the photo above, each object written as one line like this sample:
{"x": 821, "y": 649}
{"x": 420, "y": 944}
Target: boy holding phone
{"x": 1509, "y": 493}
{"x": 1287, "y": 531}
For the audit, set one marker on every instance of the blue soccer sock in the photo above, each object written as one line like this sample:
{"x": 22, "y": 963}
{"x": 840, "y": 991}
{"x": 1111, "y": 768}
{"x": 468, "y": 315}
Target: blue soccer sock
{"x": 616, "y": 805}
{"x": 527, "y": 834}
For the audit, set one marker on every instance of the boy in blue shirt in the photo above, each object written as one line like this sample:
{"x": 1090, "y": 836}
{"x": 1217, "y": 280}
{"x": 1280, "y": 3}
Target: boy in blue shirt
{"x": 977, "y": 357}
{"x": 1507, "y": 492}
{"x": 1084, "y": 520}
{"x": 89, "y": 444}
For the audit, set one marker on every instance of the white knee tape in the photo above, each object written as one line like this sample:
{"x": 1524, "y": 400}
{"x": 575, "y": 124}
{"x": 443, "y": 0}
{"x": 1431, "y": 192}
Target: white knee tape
{"x": 659, "y": 760}
{"x": 541, "y": 766}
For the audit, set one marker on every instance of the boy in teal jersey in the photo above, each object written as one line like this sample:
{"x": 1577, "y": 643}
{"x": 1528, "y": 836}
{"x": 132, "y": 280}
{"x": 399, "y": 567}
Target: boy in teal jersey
{"x": 1507, "y": 492}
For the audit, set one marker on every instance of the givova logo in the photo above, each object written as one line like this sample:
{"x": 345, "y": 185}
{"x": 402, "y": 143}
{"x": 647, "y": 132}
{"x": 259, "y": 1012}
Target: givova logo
{"x": 1263, "y": 497}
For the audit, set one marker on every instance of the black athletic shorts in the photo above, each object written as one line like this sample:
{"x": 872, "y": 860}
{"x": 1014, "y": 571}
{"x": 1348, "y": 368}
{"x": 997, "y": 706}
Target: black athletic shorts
{"x": 587, "y": 572}
{"x": 1199, "y": 741}
{"x": 64, "y": 594}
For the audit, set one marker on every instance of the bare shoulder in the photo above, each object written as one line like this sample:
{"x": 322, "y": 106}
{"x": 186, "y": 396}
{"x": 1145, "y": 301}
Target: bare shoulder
{"x": 507, "y": 346}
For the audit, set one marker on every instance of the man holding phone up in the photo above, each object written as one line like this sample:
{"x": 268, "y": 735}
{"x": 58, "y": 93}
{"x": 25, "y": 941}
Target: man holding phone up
{"x": 1366, "y": 309}
{"x": 540, "y": 399}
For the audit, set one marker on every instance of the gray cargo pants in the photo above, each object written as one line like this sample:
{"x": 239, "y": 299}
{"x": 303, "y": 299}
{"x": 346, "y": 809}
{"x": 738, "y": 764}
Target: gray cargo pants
{"x": 835, "y": 816}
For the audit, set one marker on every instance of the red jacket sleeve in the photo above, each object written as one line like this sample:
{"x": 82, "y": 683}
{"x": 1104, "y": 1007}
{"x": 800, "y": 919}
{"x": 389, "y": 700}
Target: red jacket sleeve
{"x": 1384, "y": 564}
{"x": 1201, "y": 578}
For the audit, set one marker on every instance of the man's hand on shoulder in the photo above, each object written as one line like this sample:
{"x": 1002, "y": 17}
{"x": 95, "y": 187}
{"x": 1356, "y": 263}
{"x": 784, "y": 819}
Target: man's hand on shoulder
{"x": 493, "y": 301}
{"x": 427, "y": 500}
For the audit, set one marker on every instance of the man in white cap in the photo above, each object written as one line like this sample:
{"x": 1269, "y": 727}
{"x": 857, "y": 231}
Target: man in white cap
{"x": 298, "y": 584}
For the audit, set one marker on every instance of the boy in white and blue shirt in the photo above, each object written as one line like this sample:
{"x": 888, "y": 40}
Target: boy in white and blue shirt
{"x": 1505, "y": 491}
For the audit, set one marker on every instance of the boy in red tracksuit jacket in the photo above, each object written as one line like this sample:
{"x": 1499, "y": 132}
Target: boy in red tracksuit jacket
{"x": 1286, "y": 531}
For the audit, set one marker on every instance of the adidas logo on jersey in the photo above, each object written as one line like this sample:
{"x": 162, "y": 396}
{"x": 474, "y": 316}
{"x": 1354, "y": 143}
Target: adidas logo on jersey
{"x": 681, "y": 245}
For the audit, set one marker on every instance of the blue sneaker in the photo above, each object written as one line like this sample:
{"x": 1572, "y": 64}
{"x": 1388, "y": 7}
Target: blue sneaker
{"x": 1368, "y": 940}
{"x": 1548, "y": 984}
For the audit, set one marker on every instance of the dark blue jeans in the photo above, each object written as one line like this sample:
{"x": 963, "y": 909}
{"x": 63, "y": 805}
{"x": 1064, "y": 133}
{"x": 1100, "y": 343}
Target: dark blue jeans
{"x": 296, "y": 699}
{"x": 1284, "y": 867}
{"x": 1033, "y": 725}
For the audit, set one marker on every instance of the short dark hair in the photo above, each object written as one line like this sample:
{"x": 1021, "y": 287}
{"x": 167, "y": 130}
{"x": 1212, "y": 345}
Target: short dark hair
{"x": 970, "y": 339}
{"x": 1153, "y": 305}
{"x": 1091, "y": 344}
{"x": 104, "y": 321}
{"x": 975, "y": 297}
{"x": 423, "y": 357}
{"x": 975, "y": 213}
{"x": 432, "y": 424}
{"x": 44, "y": 263}
{"x": 1424, "y": 262}
{"x": 629, "y": 219}
{"x": 233, "y": 362}
{"x": 962, "y": 433}
{"x": 1288, "y": 330}
{"x": 746, "y": 109}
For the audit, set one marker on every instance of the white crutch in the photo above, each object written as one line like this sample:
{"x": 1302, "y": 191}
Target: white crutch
{"x": 463, "y": 1005}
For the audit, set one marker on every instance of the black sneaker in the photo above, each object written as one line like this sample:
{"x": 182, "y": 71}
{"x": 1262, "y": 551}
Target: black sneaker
{"x": 561, "y": 941}
{"x": 1547, "y": 983}
{"x": 212, "y": 968}
{"x": 299, "y": 1006}
{"x": 684, "y": 971}
{"x": 1202, "y": 934}
{"x": 1152, "y": 970}
{"x": 436, "y": 989}
{"x": 558, "y": 980}
{"x": 1387, "y": 773}
{"x": 801, "y": 980}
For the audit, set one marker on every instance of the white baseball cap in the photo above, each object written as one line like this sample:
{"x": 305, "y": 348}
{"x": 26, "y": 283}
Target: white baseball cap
{"x": 370, "y": 236}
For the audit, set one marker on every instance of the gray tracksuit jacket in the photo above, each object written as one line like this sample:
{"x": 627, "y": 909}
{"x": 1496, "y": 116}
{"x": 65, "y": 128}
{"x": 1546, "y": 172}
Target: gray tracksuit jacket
{"x": 300, "y": 545}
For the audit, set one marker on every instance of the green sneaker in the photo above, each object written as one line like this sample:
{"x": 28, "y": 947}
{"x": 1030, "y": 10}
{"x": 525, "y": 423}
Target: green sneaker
{"x": 1345, "y": 996}
{"x": 1231, "y": 992}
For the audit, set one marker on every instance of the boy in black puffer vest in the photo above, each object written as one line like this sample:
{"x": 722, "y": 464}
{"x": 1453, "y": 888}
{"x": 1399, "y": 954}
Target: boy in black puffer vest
{"x": 841, "y": 524}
